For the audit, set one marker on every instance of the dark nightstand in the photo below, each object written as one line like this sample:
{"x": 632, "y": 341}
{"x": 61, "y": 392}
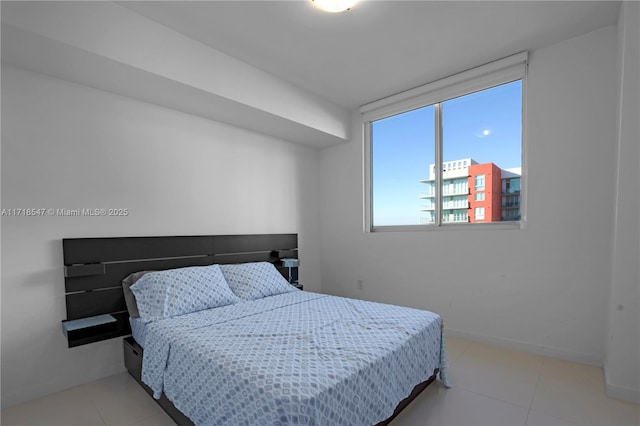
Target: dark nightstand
{"x": 86, "y": 330}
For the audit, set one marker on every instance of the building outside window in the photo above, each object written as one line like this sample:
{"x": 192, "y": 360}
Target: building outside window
{"x": 499, "y": 198}
{"x": 457, "y": 154}
{"x": 510, "y": 206}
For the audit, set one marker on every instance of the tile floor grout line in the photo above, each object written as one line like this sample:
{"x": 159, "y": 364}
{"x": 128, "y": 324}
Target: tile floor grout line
{"x": 460, "y": 354}
{"x": 100, "y": 415}
{"x": 492, "y": 397}
{"x": 532, "y": 398}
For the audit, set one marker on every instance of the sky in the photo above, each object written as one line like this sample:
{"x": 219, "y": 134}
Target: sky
{"x": 485, "y": 126}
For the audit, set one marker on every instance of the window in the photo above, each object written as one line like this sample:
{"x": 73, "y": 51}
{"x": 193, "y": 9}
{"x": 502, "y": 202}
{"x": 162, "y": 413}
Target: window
{"x": 435, "y": 151}
{"x": 400, "y": 197}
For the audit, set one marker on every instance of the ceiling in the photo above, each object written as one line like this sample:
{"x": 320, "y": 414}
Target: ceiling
{"x": 378, "y": 48}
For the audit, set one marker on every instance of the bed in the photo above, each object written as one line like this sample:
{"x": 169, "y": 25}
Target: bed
{"x": 260, "y": 351}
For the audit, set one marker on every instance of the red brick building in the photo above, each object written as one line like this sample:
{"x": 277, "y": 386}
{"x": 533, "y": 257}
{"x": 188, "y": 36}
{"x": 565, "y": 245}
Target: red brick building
{"x": 473, "y": 192}
{"x": 485, "y": 193}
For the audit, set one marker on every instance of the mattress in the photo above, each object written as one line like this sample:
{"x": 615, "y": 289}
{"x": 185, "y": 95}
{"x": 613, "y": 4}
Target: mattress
{"x": 294, "y": 358}
{"x": 138, "y": 330}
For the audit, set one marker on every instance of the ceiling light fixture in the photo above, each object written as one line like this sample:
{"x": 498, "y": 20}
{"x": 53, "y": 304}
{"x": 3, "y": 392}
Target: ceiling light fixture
{"x": 334, "y": 6}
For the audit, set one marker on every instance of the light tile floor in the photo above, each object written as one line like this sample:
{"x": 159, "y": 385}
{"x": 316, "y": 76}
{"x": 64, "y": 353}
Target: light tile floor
{"x": 496, "y": 386}
{"x": 491, "y": 386}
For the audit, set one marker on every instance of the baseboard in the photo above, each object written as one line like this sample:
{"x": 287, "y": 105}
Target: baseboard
{"x": 625, "y": 394}
{"x": 582, "y": 358}
{"x": 617, "y": 392}
{"x": 57, "y": 385}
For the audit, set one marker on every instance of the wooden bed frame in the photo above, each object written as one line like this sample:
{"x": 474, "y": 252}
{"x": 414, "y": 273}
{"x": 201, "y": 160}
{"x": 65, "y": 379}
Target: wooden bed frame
{"x": 95, "y": 268}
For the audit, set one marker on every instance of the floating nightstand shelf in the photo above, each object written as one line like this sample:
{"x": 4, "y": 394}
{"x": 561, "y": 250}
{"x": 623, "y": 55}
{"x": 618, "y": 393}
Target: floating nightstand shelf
{"x": 90, "y": 329}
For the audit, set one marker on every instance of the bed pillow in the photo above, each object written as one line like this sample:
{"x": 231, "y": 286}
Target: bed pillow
{"x": 250, "y": 281}
{"x": 165, "y": 294}
{"x": 129, "y": 298}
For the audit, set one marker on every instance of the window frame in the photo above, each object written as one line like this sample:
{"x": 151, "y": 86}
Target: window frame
{"x": 484, "y": 77}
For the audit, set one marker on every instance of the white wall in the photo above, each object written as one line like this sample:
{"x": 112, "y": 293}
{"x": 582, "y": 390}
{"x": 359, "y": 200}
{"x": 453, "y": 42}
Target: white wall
{"x": 109, "y": 47}
{"x": 622, "y": 363}
{"x": 69, "y": 146}
{"x": 542, "y": 288}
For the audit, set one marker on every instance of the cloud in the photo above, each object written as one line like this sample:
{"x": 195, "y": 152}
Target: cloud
{"x": 483, "y": 133}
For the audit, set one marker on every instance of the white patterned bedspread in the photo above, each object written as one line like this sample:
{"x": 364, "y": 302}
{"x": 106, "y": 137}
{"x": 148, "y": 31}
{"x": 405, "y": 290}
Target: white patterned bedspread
{"x": 138, "y": 330}
{"x": 298, "y": 358}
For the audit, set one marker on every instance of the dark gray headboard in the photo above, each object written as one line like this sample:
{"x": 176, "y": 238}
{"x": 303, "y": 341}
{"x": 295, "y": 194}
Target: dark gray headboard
{"x": 95, "y": 267}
